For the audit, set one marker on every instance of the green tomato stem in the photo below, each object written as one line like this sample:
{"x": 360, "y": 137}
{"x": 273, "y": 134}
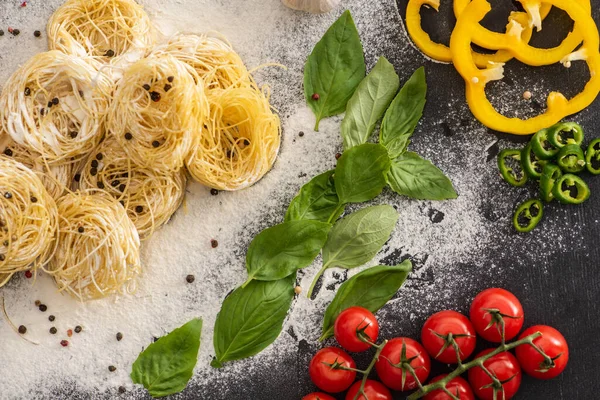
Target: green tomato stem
{"x": 361, "y": 390}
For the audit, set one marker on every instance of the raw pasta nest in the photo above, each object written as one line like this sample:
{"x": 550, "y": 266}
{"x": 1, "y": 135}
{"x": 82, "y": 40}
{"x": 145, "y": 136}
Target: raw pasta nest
{"x": 28, "y": 220}
{"x": 98, "y": 251}
{"x": 150, "y": 197}
{"x": 55, "y": 105}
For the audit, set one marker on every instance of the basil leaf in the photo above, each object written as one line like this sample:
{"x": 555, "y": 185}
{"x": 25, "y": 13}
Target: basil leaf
{"x": 370, "y": 289}
{"x": 404, "y": 114}
{"x": 358, "y": 237}
{"x": 279, "y": 251}
{"x": 361, "y": 172}
{"x": 370, "y": 100}
{"x": 317, "y": 200}
{"x": 418, "y": 178}
{"x": 251, "y": 318}
{"x": 166, "y": 366}
{"x": 334, "y": 69}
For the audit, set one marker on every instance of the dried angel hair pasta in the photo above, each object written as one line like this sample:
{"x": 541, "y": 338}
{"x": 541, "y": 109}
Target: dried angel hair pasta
{"x": 55, "y": 105}
{"x": 28, "y": 220}
{"x": 157, "y": 111}
{"x": 102, "y": 29}
{"x": 150, "y": 197}
{"x": 240, "y": 140}
{"x": 212, "y": 57}
{"x": 55, "y": 177}
{"x": 98, "y": 251}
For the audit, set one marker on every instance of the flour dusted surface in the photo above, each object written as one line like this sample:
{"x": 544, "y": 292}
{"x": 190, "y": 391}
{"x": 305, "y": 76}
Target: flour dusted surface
{"x": 447, "y": 241}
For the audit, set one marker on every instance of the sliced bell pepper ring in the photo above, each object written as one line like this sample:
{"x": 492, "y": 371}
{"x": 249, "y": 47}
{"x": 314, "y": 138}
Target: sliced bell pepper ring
{"x": 476, "y": 79}
{"x": 441, "y": 52}
{"x": 571, "y": 159}
{"x": 543, "y": 149}
{"x": 528, "y": 215}
{"x": 508, "y": 173}
{"x": 559, "y": 134}
{"x": 571, "y": 189}
{"x": 532, "y": 165}
{"x": 592, "y": 157}
{"x": 459, "y": 6}
{"x": 550, "y": 175}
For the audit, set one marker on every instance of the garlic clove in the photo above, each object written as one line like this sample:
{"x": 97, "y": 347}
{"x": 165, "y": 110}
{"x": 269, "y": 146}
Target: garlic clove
{"x": 312, "y": 6}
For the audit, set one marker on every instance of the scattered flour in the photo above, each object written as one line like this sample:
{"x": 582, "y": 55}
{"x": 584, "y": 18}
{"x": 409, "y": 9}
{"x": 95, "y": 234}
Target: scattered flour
{"x": 445, "y": 240}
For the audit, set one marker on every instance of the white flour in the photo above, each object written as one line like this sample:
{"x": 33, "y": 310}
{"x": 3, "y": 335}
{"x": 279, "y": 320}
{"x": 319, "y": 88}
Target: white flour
{"x": 446, "y": 253}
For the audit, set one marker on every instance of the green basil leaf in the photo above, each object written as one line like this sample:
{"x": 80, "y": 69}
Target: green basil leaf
{"x": 358, "y": 237}
{"x": 370, "y": 289}
{"x": 317, "y": 200}
{"x": 418, "y": 178}
{"x": 281, "y": 250}
{"x": 370, "y": 100}
{"x": 361, "y": 172}
{"x": 251, "y": 318}
{"x": 404, "y": 114}
{"x": 334, "y": 69}
{"x": 166, "y": 366}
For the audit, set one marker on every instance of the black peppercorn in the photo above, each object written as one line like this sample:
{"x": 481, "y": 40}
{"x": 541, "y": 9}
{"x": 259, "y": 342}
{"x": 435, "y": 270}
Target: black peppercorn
{"x": 22, "y": 329}
{"x": 190, "y": 278}
{"x": 1, "y": 32}
{"x": 155, "y": 96}
{"x": 155, "y": 143}
{"x": 139, "y": 209}
{"x": 93, "y": 171}
{"x": 214, "y": 244}
{"x": 119, "y": 336}
{"x": 214, "y": 192}
{"x": 53, "y": 330}
{"x": 146, "y": 86}
{"x": 73, "y": 134}
{"x": 167, "y": 87}
{"x": 122, "y": 389}
{"x": 51, "y": 318}
{"x": 27, "y": 91}
{"x": 33, "y": 199}
{"x": 128, "y": 136}
{"x": 37, "y": 33}
{"x": 99, "y": 156}
{"x": 77, "y": 177}
{"x": 78, "y": 329}
{"x": 81, "y": 229}
{"x": 43, "y": 307}
{"x": 115, "y": 183}
{"x": 300, "y": 133}
{"x": 15, "y": 32}
{"x": 42, "y": 111}
{"x": 122, "y": 187}
{"x": 100, "y": 185}
{"x": 8, "y": 152}
{"x": 2, "y": 257}
{"x": 55, "y": 101}
{"x": 337, "y": 156}
{"x": 170, "y": 79}
{"x": 109, "y": 53}
{"x": 246, "y": 142}
{"x": 94, "y": 164}
{"x": 49, "y": 104}
{"x": 8, "y": 195}
{"x": 112, "y": 368}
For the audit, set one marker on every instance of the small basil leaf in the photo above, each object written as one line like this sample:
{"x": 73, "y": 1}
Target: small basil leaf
{"x": 251, "y": 318}
{"x": 358, "y": 237}
{"x": 361, "y": 172}
{"x": 281, "y": 250}
{"x": 166, "y": 366}
{"x": 404, "y": 114}
{"x": 418, "y": 178}
{"x": 370, "y": 100}
{"x": 317, "y": 200}
{"x": 370, "y": 289}
{"x": 334, "y": 69}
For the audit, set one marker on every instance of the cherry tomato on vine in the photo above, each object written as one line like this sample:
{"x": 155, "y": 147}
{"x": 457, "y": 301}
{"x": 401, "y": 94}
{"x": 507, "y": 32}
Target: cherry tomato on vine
{"x": 318, "y": 396}
{"x": 457, "y": 386}
{"x": 486, "y": 309}
{"x": 327, "y": 377}
{"x": 392, "y": 365}
{"x": 436, "y": 339}
{"x": 373, "y": 390}
{"x": 503, "y": 366}
{"x": 354, "y": 321}
{"x": 553, "y": 344}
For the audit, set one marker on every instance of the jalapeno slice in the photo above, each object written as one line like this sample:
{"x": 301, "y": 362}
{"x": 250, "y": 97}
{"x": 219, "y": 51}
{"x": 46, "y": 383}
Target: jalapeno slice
{"x": 508, "y": 172}
{"x": 551, "y": 174}
{"x": 571, "y": 159}
{"x": 528, "y": 215}
{"x": 532, "y": 165}
{"x": 571, "y": 189}
{"x": 541, "y": 146}
{"x": 592, "y": 157}
{"x": 565, "y": 133}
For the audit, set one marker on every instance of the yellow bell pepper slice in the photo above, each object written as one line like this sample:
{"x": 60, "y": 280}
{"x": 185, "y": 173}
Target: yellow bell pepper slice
{"x": 558, "y": 106}
{"x": 460, "y": 5}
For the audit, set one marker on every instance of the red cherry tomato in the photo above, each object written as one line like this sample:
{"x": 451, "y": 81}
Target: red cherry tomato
{"x": 457, "y": 386}
{"x": 373, "y": 390}
{"x": 318, "y": 396}
{"x": 505, "y": 367}
{"x": 553, "y": 344}
{"x": 493, "y": 302}
{"x": 391, "y": 375}
{"x": 441, "y": 324}
{"x": 350, "y": 322}
{"x": 327, "y": 378}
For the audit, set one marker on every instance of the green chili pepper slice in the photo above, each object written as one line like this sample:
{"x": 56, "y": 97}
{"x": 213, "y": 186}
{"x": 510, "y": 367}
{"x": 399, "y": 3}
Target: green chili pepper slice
{"x": 565, "y": 133}
{"x": 528, "y": 215}
{"x": 571, "y": 189}
{"x": 543, "y": 149}
{"x": 551, "y": 174}
{"x": 571, "y": 159}
{"x": 532, "y": 165}
{"x": 592, "y": 157}
{"x": 515, "y": 178}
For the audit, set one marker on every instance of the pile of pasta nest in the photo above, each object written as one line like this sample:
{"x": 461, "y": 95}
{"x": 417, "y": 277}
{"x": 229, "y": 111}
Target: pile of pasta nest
{"x": 99, "y": 135}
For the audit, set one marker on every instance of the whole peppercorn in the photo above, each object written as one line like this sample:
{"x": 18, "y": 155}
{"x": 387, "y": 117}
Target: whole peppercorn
{"x": 119, "y": 336}
{"x": 214, "y": 192}
{"x": 51, "y": 318}
{"x": 22, "y": 329}
{"x": 109, "y": 53}
{"x": 139, "y": 209}
{"x": 28, "y": 274}
{"x": 298, "y": 290}
{"x": 33, "y": 199}
{"x": 78, "y": 329}
{"x": 190, "y": 278}
{"x": 81, "y": 229}
{"x": 300, "y": 133}
{"x": 43, "y": 307}
{"x": 55, "y": 101}
{"x": 128, "y": 136}
{"x": 146, "y": 86}
{"x": 167, "y": 87}
{"x": 8, "y": 195}
{"x": 69, "y": 332}
{"x": 37, "y": 33}
{"x": 214, "y": 244}
{"x": 94, "y": 163}
{"x": 337, "y": 156}
{"x": 99, "y": 156}
{"x": 112, "y": 368}
{"x": 8, "y": 152}
{"x": 316, "y": 96}
{"x": 155, "y": 96}
{"x": 16, "y": 32}
{"x": 122, "y": 389}
{"x": 64, "y": 343}
{"x": 77, "y": 177}
{"x": 53, "y": 330}
{"x": 155, "y": 143}
{"x": 170, "y": 79}
{"x": 1, "y": 32}
{"x": 73, "y": 134}
{"x": 37, "y": 303}
{"x": 100, "y": 185}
